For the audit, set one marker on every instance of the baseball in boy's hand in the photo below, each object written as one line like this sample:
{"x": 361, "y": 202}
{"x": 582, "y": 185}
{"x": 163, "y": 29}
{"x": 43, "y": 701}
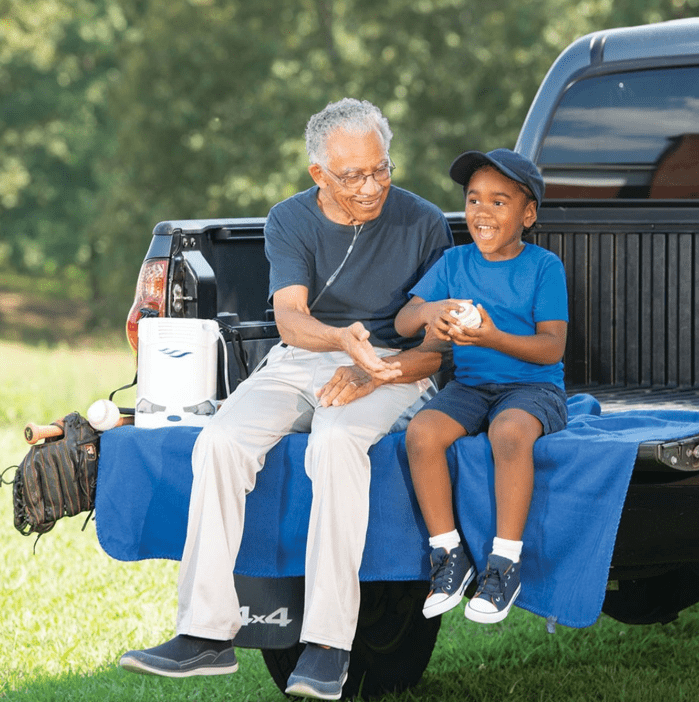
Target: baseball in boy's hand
{"x": 467, "y": 316}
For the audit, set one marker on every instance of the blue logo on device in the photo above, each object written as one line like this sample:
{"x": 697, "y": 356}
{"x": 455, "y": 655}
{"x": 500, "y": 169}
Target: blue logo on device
{"x": 175, "y": 353}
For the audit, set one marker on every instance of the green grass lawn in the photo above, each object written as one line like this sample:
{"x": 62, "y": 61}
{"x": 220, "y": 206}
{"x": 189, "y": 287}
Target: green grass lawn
{"x": 69, "y": 611}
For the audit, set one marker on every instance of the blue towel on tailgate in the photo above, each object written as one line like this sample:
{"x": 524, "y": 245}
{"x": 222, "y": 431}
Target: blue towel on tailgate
{"x": 582, "y": 475}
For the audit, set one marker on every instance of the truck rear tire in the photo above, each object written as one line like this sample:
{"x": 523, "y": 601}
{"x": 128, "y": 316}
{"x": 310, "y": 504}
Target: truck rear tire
{"x": 391, "y": 648}
{"x": 657, "y": 598}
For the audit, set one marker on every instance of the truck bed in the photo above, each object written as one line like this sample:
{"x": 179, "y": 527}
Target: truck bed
{"x": 615, "y": 399}
{"x": 657, "y": 461}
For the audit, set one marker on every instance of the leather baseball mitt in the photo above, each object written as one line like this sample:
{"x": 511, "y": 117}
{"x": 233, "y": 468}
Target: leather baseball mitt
{"x": 57, "y": 478}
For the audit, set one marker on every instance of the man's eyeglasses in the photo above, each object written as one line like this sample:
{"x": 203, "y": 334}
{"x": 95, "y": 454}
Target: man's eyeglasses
{"x": 354, "y": 181}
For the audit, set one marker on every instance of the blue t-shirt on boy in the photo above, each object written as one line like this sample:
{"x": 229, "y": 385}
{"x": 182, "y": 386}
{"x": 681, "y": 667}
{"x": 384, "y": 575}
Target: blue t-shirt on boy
{"x": 516, "y": 293}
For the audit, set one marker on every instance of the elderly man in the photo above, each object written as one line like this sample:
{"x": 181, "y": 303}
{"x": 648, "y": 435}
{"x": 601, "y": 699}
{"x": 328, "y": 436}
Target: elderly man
{"x": 343, "y": 256}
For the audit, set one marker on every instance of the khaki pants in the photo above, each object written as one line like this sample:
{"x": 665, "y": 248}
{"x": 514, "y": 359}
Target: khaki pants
{"x": 278, "y": 400}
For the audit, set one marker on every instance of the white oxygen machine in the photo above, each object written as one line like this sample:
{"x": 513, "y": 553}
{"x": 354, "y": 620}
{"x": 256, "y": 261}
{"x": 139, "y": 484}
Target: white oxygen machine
{"x": 177, "y": 363}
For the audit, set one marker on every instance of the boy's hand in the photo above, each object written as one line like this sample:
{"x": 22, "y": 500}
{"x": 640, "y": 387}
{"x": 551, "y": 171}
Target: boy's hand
{"x": 438, "y": 317}
{"x": 433, "y": 342}
{"x": 480, "y": 336}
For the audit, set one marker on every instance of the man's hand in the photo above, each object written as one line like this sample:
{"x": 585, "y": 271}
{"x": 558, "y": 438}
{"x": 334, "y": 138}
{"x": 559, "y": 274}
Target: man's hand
{"x": 347, "y": 384}
{"x": 298, "y": 328}
{"x": 355, "y": 342}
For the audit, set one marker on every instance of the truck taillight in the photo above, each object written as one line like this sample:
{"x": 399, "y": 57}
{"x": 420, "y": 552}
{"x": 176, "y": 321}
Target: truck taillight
{"x": 150, "y": 298}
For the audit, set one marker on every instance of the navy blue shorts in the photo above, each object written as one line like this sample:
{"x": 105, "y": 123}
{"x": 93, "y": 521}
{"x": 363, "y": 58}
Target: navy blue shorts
{"x": 475, "y": 406}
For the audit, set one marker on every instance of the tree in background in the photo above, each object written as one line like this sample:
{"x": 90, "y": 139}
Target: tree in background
{"x": 197, "y": 108}
{"x": 56, "y": 61}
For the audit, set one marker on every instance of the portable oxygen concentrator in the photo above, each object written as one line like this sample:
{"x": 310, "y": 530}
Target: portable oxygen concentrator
{"x": 177, "y": 364}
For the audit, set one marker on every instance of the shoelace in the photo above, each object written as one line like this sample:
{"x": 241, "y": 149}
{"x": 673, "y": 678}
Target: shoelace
{"x": 492, "y": 582}
{"x": 441, "y": 579}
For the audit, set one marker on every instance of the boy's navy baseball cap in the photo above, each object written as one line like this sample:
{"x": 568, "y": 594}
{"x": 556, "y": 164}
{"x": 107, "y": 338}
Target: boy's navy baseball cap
{"x": 510, "y": 163}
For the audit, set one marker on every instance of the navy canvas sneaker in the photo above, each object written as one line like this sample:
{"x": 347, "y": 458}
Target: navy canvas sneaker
{"x": 450, "y": 576}
{"x": 320, "y": 673}
{"x": 182, "y": 657}
{"x": 498, "y": 587}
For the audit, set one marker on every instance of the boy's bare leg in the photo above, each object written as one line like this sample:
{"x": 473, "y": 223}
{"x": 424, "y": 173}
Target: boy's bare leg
{"x": 429, "y": 435}
{"x": 512, "y": 435}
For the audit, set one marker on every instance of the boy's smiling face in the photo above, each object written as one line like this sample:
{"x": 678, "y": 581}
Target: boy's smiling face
{"x": 497, "y": 211}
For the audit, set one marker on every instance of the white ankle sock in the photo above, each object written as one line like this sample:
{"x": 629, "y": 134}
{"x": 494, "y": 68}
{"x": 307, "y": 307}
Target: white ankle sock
{"x": 507, "y": 548}
{"x": 447, "y": 541}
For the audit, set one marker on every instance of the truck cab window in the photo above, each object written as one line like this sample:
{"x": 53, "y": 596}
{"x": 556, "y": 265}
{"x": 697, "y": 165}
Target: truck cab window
{"x": 625, "y": 135}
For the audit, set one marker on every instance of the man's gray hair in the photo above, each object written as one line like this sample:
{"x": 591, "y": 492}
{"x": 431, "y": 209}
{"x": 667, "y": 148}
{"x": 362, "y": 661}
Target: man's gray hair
{"x": 353, "y": 116}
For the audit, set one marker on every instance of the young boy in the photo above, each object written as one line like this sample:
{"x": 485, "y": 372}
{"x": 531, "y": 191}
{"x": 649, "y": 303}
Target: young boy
{"x": 508, "y": 377}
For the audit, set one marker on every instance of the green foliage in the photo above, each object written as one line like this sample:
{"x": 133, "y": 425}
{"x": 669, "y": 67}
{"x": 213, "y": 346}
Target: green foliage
{"x": 56, "y": 61}
{"x": 122, "y": 113}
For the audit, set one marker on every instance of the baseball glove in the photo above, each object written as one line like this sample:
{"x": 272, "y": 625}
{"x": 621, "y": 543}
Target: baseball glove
{"x": 57, "y": 478}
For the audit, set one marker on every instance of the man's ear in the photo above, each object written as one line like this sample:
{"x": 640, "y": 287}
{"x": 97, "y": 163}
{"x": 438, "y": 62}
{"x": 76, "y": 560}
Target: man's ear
{"x": 318, "y": 176}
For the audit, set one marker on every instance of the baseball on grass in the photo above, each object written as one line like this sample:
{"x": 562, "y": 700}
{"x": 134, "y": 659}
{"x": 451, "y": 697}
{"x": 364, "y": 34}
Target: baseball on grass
{"x": 468, "y": 315}
{"x": 103, "y": 415}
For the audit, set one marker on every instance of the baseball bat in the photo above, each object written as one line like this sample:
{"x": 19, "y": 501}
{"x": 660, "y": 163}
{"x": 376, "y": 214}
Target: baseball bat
{"x": 36, "y": 432}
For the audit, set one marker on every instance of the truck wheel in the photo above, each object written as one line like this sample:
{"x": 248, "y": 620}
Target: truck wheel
{"x": 654, "y": 599}
{"x": 391, "y": 648}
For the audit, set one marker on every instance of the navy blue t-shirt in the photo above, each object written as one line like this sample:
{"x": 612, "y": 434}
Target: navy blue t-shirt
{"x": 390, "y": 255}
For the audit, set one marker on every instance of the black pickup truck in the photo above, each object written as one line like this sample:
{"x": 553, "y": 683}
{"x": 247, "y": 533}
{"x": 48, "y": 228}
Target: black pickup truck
{"x": 615, "y": 131}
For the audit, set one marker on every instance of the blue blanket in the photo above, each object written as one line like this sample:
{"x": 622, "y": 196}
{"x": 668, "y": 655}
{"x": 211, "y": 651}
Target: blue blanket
{"x": 582, "y": 475}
